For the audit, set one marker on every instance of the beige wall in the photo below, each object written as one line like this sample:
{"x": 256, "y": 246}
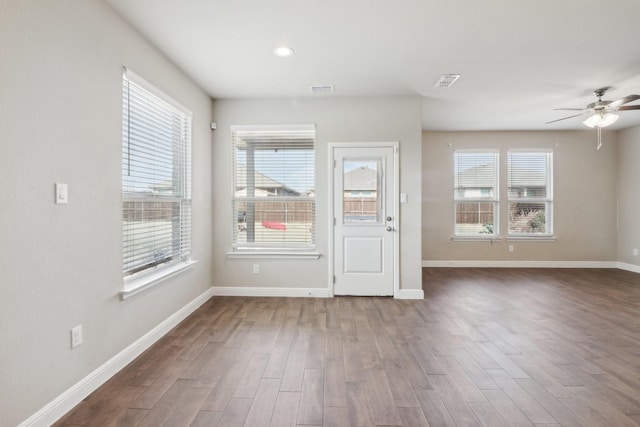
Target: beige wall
{"x": 628, "y": 166}
{"x": 336, "y": 120}
{"x": 584, "y": 197}
{"x": 61, "y": 121}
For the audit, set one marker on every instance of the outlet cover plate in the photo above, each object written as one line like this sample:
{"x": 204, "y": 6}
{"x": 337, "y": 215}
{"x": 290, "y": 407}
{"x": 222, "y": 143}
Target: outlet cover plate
{"x": 76, "y": 336}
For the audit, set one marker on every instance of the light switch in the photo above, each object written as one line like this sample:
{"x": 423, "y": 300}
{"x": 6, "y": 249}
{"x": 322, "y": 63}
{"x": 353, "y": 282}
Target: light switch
{"x": 62, "y": 193}
{"x": 404, "y": 198}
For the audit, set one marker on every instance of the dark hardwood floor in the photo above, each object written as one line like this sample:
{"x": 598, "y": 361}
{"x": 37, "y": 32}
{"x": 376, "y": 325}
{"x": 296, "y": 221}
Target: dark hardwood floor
{"x": 492, "y": 347}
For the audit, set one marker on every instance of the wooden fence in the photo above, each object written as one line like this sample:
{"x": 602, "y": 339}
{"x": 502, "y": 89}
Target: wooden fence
{"x": 301, "y": 211}
{"x": 149, "y": 210}
{"x": 360, "y": 207}
{"x": 278, "y": 211}
{"x": 474, "y": 213}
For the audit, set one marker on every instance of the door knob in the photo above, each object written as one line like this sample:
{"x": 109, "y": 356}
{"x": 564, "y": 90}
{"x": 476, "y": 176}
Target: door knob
{"x": 389, "y": 229}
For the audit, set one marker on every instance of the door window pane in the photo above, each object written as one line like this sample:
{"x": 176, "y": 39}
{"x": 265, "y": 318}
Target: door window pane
{"x": 361, "y": 179}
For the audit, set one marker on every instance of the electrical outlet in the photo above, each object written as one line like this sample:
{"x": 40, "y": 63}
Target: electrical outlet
{"x": 76, "y": 336}
{"x": 635, "y": 252}
{"x": 510, "y": 248}
{"x": 256, "y": 268}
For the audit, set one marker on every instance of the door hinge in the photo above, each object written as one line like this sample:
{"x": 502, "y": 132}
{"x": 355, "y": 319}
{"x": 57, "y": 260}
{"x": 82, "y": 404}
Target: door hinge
{"x": 334, "y": 220}
{"x": 334, "y": 279}
{"x": 334, "y": 163}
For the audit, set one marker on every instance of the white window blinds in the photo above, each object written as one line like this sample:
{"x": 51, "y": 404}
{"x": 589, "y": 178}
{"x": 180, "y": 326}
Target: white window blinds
{"x": 530, "y": 192}
{"x": 475, "y": 176}
{"x": 156, "y": 178}
{"x": 274, "y": 187}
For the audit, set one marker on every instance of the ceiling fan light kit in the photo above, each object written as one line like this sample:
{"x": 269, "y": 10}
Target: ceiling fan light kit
{"x": 601, "y": 120}
{"x": 601, "y": 112}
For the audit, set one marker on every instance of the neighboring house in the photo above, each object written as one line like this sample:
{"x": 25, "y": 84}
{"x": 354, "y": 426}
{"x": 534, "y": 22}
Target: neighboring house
{"x": 478, "y": 183}
{"x": 361, "y": 182}
{"x": 360, "y": 187}
{"x": 267, "y": 210}
{"x": 263, "y": 185}
{"x": 475, "y": 183}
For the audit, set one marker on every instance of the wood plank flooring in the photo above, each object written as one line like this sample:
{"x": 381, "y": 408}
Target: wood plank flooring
{"x": 487, "y": 347}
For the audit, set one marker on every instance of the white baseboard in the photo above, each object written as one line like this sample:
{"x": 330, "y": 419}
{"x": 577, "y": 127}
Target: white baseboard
{"x": 522, "y": 264}
{"x": 409, "y": 294}
{"x": 74, "y": 395}
{"x": 256, "y": 291}
{"x": 629, "y": 267}
{"x": 241, "y": 291}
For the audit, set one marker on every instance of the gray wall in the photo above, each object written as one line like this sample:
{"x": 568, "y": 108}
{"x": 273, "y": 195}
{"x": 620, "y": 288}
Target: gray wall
{"x": 61, "y": 121}
{"x": 628, "y": 166}
{"x": 337, "y": 120}
{"x": 584, "y": 197}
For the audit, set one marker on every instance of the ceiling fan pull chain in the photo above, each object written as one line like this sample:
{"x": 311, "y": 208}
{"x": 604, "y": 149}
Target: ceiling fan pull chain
{"x": 599, "y": 138}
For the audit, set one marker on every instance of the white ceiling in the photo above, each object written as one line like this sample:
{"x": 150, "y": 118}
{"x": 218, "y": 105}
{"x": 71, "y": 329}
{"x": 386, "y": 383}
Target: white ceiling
{"x": 519, "y": 59}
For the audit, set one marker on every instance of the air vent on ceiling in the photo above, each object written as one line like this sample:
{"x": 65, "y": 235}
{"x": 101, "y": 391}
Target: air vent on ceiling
{"x": 321, "y": 88}
{"x": 446, "y": 80}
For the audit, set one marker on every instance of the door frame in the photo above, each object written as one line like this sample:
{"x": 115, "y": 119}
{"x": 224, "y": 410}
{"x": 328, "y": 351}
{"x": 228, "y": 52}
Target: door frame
{"x": 396, "y": 207}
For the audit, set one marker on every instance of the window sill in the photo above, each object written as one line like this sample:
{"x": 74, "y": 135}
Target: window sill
{"x": 475, "y": 239}
{"x": 532, "y": 238}
{"x": 272, "y": 255}
{"x": 135, "y": 285}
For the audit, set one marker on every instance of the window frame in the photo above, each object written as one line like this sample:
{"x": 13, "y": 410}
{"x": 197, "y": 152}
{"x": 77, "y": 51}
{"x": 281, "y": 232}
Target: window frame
{"x": 145, "y": 273}
{"x": 494, "y": 201}
{"x": 244, "y": 249}
{"x": 547, "y": 199}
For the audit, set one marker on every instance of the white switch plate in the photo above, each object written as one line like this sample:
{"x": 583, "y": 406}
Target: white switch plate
{"x": 404, "y": 197}
{"x": 76, "y": 336}
{"x": 256, "y": 268}
{"x": 510, "y": 248}
{"x": 62, "y": 193}
{"x": 635, "y": 252}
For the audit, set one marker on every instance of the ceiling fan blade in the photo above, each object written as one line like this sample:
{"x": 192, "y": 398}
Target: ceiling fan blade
{"x": 565, "y": 118}
{"x": 621, "y": 101}
{"x": 628, "y": 107}
{"x": 568, "y": 109}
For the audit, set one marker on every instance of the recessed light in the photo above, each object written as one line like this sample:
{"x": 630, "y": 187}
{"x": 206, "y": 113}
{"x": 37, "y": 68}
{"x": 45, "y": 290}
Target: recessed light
{"x": 283, "y": 51}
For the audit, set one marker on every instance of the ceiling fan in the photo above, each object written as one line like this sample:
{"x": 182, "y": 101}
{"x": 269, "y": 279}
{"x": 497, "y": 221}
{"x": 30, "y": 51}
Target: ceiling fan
{"x": 601, "y": 113}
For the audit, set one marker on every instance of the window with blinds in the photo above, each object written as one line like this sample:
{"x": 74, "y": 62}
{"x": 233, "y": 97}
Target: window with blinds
{"x": 156, "y": 178}
{"x": 530, "y": 193}
{"x": 475, "y": 177}
{"x": 274, "y": 206}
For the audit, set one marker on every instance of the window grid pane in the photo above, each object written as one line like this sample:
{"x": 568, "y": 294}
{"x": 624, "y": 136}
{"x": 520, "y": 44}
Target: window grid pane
{"x": 362, "y": 188}
{"x": 156, "y": 180}
{"x": 475, "y": 193}
{"x": 274, "y": 187}
{"x": 530, "y": 193}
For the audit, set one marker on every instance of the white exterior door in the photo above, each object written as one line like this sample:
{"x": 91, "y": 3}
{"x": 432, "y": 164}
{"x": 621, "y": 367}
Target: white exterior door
{"x": 365, "y": 223}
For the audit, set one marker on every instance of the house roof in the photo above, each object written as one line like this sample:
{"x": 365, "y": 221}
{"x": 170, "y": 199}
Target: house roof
{"x": 362, "y": 179}
{"x": 476, "y": 177}
{"x": 518, "y": 59}
{"x": 482, "y": 177}
{"x": 262, "y": 181}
